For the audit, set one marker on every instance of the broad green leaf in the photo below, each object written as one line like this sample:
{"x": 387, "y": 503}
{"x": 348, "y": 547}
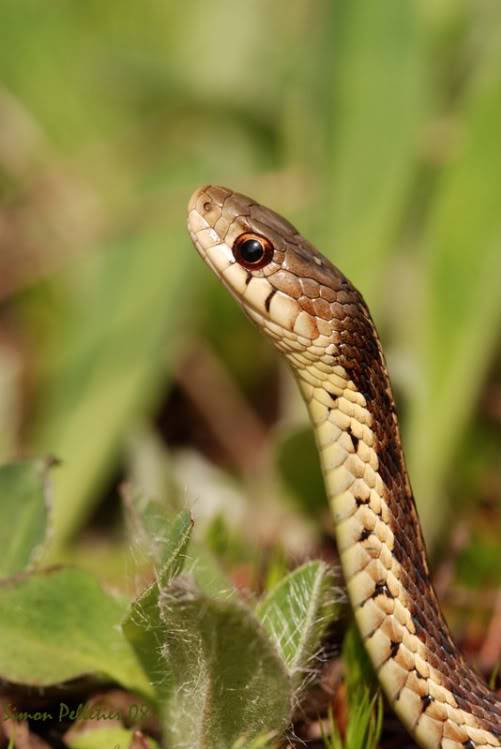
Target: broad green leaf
{"x": 229, "y": 684}
{"x": 143, "y": 625}
{"x": 59, "y": 624}
{"x": 461, "y": 304}
{"x": 297, "y": 614}
{"x": 24, "y": 510}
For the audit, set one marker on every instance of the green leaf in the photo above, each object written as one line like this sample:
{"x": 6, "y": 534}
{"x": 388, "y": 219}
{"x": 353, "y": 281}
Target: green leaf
{"x": 461, "y": 302}
{"x": 59, "y": 624}
{"x": 229, "y": 684}
{"x": 103, "y": 737}
{"x": 365, "y": 704}
{"x": 143, "y": 626}
{"x": 359, "y": 672}
{"x": 162, "y": 535}
{"x": 165, "y": 538}
{"x": 364, "y": 726}
{"x": 373, "y": 75}
{"x": 24, "y": 511}
{"x": 207, "y": 573}
{"x": 297, "y": 614}
{"x": 109, "y": 362}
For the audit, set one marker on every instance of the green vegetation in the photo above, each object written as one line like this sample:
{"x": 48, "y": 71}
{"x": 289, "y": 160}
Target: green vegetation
{"x": 217, "y": 673}
{"x": 365, "y": 706}
{"x": 166, "y": 548}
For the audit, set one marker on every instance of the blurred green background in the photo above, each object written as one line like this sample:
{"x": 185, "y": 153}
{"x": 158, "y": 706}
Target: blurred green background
{"x": 374, "y": 126}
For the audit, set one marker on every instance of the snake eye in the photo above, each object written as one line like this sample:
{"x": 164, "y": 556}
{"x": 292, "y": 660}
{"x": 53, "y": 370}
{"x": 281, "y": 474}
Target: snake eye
{"x": 252, "y": 251}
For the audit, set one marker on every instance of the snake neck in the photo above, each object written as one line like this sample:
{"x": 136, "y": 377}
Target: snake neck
{"x": 443, "y": 703}
{"x": 319, "y": 321}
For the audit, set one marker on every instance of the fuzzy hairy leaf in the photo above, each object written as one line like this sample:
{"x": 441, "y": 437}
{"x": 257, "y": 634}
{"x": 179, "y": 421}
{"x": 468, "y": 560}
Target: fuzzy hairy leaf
{"x": 297, "y": 613}
{"x": 161, "y": 534}
{"x": 229, "y": 684}
{"x": 143, "y": 625}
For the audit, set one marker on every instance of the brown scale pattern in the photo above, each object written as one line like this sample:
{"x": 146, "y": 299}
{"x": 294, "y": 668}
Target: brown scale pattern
{"x": 365, "y": 366}
{"x": 361, "y": 356}
{"x": 323, "y": 291}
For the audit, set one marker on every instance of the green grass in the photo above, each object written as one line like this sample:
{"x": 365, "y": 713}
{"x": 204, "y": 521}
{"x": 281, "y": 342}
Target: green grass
{"x": 374, "y": 132}
{"x": 373, "y": 127}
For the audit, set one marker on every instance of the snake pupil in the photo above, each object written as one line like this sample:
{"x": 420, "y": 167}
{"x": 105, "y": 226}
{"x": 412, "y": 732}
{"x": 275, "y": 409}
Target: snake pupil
{"x": 252, "y": 251}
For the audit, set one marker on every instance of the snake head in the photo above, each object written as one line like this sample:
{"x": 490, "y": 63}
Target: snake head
{"x": 282, "y": 282}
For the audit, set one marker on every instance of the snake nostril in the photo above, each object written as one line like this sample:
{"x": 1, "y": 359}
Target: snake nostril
{"x": 207, "y": 206}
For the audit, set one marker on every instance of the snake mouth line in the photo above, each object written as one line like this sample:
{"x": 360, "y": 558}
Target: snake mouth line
{"x": 207, "y": 259}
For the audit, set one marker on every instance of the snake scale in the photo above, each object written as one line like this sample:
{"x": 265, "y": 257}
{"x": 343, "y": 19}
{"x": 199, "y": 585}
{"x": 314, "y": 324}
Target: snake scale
{"x": 321, "y": 324}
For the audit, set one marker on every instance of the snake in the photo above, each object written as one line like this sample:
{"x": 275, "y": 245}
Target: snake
{"x": 321, "y": 324}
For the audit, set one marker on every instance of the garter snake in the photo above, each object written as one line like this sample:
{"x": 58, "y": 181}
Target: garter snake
{"x": 321, "y": 324}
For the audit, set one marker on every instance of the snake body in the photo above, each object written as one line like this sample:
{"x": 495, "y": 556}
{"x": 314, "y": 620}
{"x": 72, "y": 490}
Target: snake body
{"x": 320, "y": 322}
